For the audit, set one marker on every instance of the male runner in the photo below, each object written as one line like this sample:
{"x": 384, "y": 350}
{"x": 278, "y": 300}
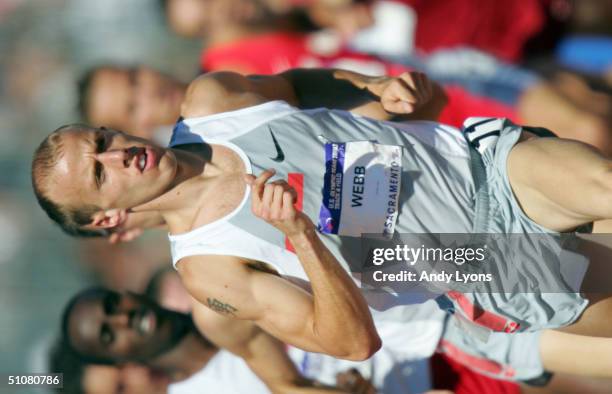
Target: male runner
{"x": 232, "y": 262}
{"x": 105, "y": 327}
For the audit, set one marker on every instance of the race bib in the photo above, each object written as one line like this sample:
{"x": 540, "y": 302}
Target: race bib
{"x": 361, "y": 188}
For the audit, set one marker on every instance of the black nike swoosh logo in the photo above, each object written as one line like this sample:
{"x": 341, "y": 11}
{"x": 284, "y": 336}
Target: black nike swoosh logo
{"x": 280, "y": 156}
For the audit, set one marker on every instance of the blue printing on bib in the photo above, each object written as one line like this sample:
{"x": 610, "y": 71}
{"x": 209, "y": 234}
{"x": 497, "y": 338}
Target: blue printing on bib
{"x": 331, "y": 209}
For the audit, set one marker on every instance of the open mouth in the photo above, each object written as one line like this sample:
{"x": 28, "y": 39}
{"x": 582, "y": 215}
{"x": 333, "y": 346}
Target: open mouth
{"x": 146, "y": 159}
{"x": 140, "y": 157}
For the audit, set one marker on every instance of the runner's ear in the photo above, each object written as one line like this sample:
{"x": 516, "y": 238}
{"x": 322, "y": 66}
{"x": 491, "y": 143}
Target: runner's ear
{"x": 110, "y": 218}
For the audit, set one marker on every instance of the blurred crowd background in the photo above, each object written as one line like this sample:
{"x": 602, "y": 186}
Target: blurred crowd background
{"x": 46, "y": 45}
{"x": 547, "y": 62}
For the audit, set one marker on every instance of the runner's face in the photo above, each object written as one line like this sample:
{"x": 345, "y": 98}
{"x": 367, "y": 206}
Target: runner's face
{"x": 109, "y": 169}
{"x": 136, "y": 100}
{"x": 122, "y": 327}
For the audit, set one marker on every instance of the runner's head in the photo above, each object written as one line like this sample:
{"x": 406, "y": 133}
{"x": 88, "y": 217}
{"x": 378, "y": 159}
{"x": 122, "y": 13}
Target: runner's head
{"x": 134, "y": 99}
{"x": 106, "y": 327}
{"x": 87, "y": 178}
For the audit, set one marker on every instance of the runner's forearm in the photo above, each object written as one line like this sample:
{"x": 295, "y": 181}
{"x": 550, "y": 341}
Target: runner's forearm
{"x": 315, "y": 88}
{"x": 341, "y": 314}
{"x": 348, "y": 90}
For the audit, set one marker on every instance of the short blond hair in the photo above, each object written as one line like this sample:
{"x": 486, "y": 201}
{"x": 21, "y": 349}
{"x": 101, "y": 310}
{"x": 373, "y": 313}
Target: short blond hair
{"x": 45, "y": 159}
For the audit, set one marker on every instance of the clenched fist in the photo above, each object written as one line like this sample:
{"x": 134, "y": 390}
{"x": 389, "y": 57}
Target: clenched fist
{"x": 406, "y": 93}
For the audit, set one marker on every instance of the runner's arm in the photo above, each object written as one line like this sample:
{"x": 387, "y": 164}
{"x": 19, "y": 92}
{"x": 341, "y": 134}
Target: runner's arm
{"x": 411, "y": 95}
{"x": 333, "y": 320}
{"x": 265, "y": 355}
{"x": 335, "y": 294}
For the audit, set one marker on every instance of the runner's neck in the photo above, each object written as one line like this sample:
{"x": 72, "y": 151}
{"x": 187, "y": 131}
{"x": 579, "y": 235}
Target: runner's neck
{"x": 211, "y": 195}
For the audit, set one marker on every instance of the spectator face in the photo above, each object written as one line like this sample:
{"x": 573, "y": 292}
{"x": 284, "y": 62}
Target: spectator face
{"x": 108, "y": 169}
{"x": 123, "y": 327}
{"x": 136, "y": 100}
{"x": 195, "y": 18}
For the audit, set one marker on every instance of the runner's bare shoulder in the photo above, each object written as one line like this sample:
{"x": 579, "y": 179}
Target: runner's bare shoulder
{"x": 218, "y": 92}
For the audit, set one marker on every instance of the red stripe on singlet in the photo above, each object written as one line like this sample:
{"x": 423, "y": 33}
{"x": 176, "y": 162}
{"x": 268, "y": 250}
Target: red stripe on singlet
{"x": 483, "y": 317}
{"x": 474, "y": 362}
{"x": 295, "y": 180}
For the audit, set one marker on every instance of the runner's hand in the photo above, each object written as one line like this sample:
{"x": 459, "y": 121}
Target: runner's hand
{"x": 406, "y": 93}
{"x": 274, "y": 203}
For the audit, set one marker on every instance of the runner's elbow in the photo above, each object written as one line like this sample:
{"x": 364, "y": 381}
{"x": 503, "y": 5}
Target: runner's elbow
{"x": 364, "y": 349}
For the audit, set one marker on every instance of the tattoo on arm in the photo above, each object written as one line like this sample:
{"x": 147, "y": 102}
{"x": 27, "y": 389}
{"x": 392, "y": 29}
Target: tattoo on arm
{"x": 220, "y": 307}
